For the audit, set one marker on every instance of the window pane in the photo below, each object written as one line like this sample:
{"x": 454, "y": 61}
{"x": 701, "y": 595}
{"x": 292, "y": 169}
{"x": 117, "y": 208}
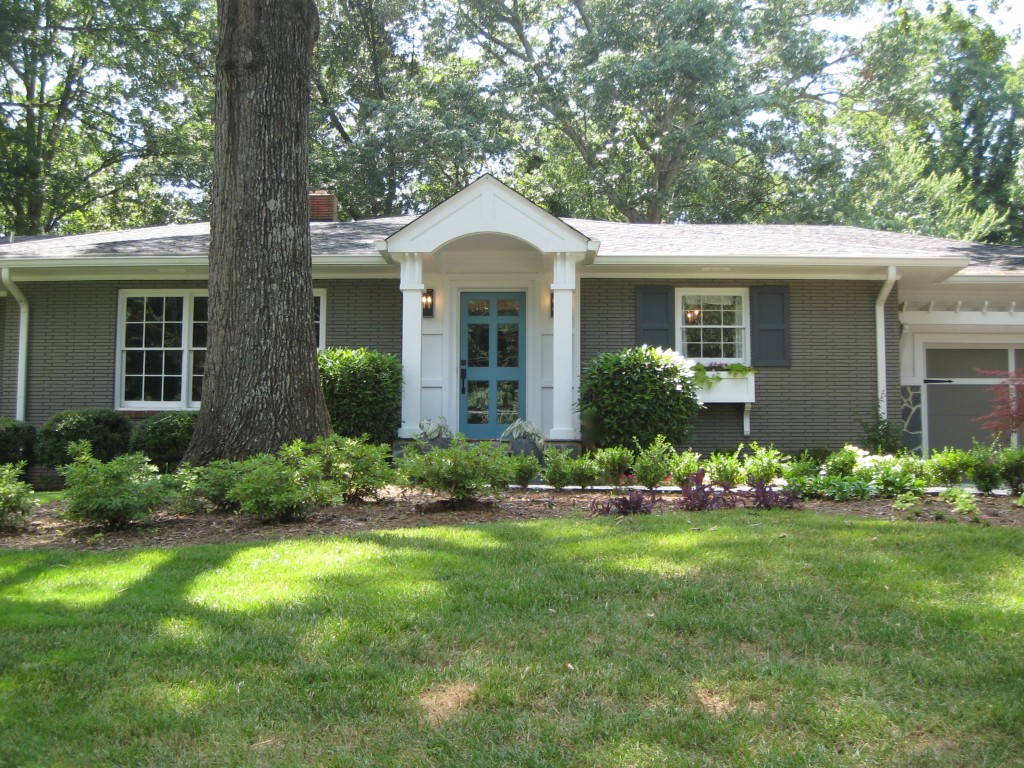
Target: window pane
{"x": 154, "y": 335}
{"x": 135, "y": 308}
{"x": 479, "y": 346}
{"x": 172, "y": 364}
{"x": 508, "y": 307}
{"x": 174, "y": 308}
{"x": 154, "y": 363}
{"x": 154, "y": 308}
{"x": 133, "y": 363}
{"x": 172, "y": 388}
{"x": 133, "y": 335}
{"x": 508, "y": 401}
{"x": 199, "y": 308}
{"x": 198, "y": 334}
{"x": 478, "y": 403}
{"x": 479, "y": 307}
{"x": 152, "y": 388}
{"x": 132, "y": 387}
{"x": 172, "y": 334}
{"x": 508, "y": 345}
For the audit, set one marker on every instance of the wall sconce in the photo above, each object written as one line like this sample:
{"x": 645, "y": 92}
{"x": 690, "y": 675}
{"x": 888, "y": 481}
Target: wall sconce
{"x": 428, "y": 302}
{"x": 551, "y": 303}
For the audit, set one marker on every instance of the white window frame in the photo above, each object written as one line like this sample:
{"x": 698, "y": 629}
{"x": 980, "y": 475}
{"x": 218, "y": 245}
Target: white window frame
{"x": 188, "y": 295}
{"x": 743, "y": 293}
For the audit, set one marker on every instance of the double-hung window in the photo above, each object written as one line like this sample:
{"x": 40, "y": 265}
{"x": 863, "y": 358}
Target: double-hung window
{"x": 161, "y": 347}
{"x": 713, "y": 324}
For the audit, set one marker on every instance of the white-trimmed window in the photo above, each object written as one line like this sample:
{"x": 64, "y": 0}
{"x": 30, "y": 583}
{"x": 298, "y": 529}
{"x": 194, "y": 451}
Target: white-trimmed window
{"x": 161, "y": 347}
{"x": 713, "y": 324}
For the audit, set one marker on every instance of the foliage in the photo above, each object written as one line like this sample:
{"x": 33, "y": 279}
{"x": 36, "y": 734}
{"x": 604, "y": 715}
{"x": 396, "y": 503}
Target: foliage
{"x": 613, "y": 464}
{"x": 164, "y": 437}
{"x": 115, "y": 493}
{"x": 686, "y": 463}
{"x": 363, "y": 391}
{"x": 949, "y": 465}
{"x": 843, "y": 462}
{"x": 845, "y": 488}
{"x": 706, "y": 374}
{"x": 17, "y": 441}
{"x": 725, "y": 469}
{"x": 277, "y": 488}
{"x": 804, "y": 465}
{"x": 1011, "y": 468}
{"x": 892, "y": 476}
{"x": 460, "y": 472}
{"x": 633, "y": 503}
{"x": 763, "y": 495}
{"x": 696, "y": 495}
{"x": 638, "y": 393}
{"x": 558, "y": 467}
{"x": 882, "y": 435}
{"x": 350, "y": 469}
{"x": 1007, "y": 414}
{"x": 763, "y": 463}
{"x": 653, "y": 465}
{"x": 15, "y": 496}
{"x": 961, "y": 500}
{"x": 525, "y": 467}
{"x": 108, "y": 433}
{"x": 521, "y": 429}
{"x": 207, "y": 486}
{"x": 983, "y": 469}
{"x": 433, "y": 430}
{"x": 583, "y": 472}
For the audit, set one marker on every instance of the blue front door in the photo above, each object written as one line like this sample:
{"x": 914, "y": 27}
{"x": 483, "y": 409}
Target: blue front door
{"x": 491, "y": 363}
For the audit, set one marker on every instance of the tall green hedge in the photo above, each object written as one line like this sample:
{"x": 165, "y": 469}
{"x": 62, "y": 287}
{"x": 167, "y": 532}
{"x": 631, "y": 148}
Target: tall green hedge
{"x": 363, "y": 390}
{"x": 107, "y": 431}
{"x": 636, "y": 394}
{"x": 17, "y": 441}
{"x": 164, "y": 437}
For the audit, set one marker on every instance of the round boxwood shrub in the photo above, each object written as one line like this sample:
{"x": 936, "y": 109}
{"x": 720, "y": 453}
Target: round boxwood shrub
{"x": 17, "y": 440}
{"x": 637, "y": 394}
{"x": 363, "y": 390}
{"x": 164, "y": 438}
{"x": 107, "y": 431}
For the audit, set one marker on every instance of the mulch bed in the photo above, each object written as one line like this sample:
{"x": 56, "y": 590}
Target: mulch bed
{"x": 405, "y": 509}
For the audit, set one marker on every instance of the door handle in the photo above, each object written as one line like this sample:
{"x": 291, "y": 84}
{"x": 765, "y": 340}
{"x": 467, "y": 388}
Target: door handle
{"x": 938, "y": 381}
{"x": 462, "y": 376}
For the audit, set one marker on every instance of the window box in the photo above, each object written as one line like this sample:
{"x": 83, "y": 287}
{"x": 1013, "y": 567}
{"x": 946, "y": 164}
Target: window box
{"x": 728, "y": 389}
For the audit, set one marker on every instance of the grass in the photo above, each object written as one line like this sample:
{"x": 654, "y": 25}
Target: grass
{"x": 723, "y": 639}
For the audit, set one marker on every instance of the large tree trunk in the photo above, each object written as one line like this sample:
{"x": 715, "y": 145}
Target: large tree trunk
{"x": 261, "y": 385}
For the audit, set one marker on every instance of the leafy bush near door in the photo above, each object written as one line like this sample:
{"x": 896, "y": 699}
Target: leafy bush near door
{"x": 113, "y": 493}
{"x": 636, "y": 394}
{"x": 164, "y": 437}
{"x": 363, "y": 390}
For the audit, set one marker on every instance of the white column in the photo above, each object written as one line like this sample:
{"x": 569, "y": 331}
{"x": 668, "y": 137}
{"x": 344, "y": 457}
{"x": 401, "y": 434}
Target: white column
{"x": 411, "y": 285}
{"x": 563, "y": 289}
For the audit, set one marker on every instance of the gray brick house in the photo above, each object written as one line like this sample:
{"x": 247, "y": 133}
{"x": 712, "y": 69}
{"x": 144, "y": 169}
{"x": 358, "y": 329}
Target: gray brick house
{"x": 494, "y": 306}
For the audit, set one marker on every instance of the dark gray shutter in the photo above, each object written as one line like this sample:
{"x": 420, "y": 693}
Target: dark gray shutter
{"x": 655, "y": 315}
{"x": 769, "y": 326}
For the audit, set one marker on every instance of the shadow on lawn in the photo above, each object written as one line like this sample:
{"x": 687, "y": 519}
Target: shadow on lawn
{"x": 572, "y": 631}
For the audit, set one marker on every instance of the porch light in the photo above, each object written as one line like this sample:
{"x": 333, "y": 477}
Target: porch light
{"x": 552, "y": 303}
{"x": 428, "y": 302}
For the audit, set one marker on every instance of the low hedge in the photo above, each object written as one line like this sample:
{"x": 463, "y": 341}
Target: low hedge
{"x": 108, "y": 432}
{"x": 164, "y": 437}
{"x": 17, "y": 441}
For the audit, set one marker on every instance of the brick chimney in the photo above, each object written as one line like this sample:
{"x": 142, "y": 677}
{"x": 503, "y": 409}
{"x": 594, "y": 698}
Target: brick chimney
{"x": 323, "y": 206}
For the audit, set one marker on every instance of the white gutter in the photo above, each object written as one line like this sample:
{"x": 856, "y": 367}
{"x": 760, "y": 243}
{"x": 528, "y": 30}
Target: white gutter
{"x": 883, "y": 296}
{"x": 22, "y": 387}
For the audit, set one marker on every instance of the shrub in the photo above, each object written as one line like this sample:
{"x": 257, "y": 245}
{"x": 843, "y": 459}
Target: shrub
{"x": 763, "y": 495}
{"x": 584, "y": 472}
{"x": 274, "y": 489}
{"x": 841, "y": 488}
{"x": 557, "y": 471}
{"x": 353, "y": 470}
{"x": 164, "y": 437}
{"x": 686, "y": 463}
{"x": 893, "y": 476}
{"x": 1011, "y": 468}
{"x": 17, "y": 440}
{"x": 961, "y": 500}
{"x": 983, "y": 468}
{"x": 725, "y": 469}
{"x": 697, "y": 495}
{"x": 806, "y": 464}
{"x": 882, "y": 436}
{"x": 363, "y": 390}
{"x": 636, "y": 394}
{"x": 115, "y": 493}
{"x": 461, "y": 471}
{"x": 633, "y": 503}
{"x": 15, "y": 496}
{"x": 205, "y": 487}
{"x": 525, "y": 467}
{"x": 653, "y": 465}
{"x": 763, "y": 464}
{"x": 842, "y": 463}
{"x": 613, "y": 464}
{"x": 107, "y": 432}
{"x": 949, "y": 465}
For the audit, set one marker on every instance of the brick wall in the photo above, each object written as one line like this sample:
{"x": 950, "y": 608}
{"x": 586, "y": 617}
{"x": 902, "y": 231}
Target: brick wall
{"x": 817, "y": 401}
{"x": 73, "y": 329}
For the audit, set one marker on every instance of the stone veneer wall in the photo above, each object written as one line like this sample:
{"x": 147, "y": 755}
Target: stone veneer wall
{"x": 818, "y": 401}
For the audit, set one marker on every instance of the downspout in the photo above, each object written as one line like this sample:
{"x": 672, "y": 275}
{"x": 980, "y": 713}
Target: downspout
{"x": 12, "y": 288}
{"x": 883, "y": 296}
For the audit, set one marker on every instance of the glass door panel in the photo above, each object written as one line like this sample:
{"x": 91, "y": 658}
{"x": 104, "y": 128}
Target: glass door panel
{"x": 491, "y": 361}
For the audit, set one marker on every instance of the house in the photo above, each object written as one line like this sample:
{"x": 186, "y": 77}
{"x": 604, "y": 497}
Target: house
{"x": 494, "y": 306}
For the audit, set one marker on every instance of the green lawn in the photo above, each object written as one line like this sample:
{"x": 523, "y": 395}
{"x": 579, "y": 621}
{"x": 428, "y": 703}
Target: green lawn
{"x": 783, "y": 639}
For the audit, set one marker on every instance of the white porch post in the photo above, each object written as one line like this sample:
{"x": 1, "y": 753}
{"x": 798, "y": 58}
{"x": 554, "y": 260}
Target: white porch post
{"x": 411, "y": 285}
{"x": 563, "y": 288}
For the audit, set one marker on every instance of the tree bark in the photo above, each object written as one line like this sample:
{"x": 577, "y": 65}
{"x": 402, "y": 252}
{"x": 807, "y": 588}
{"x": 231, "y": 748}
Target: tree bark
{"x": 261, "y": 386}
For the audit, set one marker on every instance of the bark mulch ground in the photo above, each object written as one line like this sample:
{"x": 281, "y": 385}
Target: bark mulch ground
{"x": 405, "y": 509}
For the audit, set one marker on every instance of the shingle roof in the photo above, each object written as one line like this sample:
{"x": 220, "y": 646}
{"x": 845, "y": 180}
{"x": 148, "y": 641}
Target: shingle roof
{"x": 616, "y": 239}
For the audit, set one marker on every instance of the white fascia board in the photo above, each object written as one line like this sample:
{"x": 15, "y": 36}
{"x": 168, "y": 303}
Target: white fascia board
{"x": 988, "y": 279}
{"x": 952, "y": 264}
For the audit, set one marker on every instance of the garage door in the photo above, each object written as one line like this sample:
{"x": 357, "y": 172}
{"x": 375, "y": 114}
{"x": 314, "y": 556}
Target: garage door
{"x": 957, "y": 394}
